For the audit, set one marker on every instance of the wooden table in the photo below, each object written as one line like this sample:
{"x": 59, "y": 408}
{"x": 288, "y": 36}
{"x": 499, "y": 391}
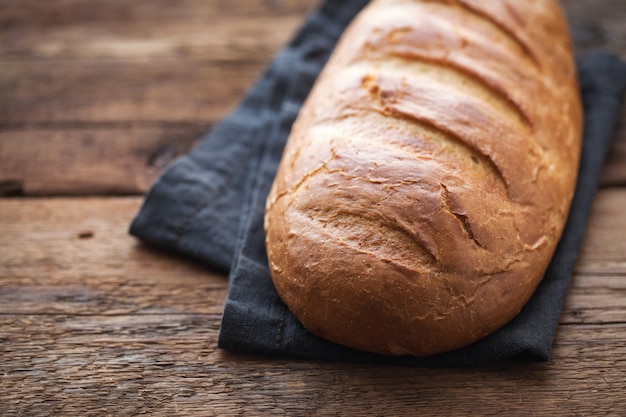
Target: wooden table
{"x": 95, "y": 99}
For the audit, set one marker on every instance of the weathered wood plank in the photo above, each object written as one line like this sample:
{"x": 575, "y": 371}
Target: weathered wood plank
{"x": 75, "y": 257}
{"x": 79, "y": 28}
{"x": 597, "y": 24}
{"x": 75, "y": 64}
{"x": 141, "y": 30}
{"x": 76, "y": 27}
{"x": 596, "y": 299}
{"x": 92, "y": 160}
{"x": 614, "y": 172}
{"x": 79, "y": 61}
{"x": 71, "y": 256}
{"x": 604, "y": 246}
{"x": 21, "y": 18}
{"x": 166, "y": 90}
{"x": 105, "y": 159}
{"x": 186, "y": 66}
{"x": 167, "y": 364}
{"x": 125, "y": 158}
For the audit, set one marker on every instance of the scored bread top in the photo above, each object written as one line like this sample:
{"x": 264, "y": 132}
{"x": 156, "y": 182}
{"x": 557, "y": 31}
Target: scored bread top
{"x": 428, "y": 177}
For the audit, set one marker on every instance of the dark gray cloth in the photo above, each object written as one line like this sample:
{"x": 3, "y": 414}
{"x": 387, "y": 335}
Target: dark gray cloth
{"x": 210, "y": 204}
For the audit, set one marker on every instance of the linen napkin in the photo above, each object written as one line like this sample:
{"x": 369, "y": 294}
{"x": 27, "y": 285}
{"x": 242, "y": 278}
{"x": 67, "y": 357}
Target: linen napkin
{"x": 209, "y": 205}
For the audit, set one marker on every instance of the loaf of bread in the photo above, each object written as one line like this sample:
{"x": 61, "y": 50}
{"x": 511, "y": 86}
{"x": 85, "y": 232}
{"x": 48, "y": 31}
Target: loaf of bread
{"x": 428, "y": 177}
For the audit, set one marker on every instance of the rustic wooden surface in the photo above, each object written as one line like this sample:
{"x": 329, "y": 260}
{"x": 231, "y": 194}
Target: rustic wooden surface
{"x": 95, "y": 99}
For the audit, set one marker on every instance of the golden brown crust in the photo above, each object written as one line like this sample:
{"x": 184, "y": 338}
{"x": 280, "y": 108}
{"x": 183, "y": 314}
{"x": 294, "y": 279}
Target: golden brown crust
{"x": 428, "y": 177}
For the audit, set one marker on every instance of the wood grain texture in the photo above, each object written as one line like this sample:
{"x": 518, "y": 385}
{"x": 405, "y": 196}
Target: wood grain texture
{"x": 74, "y": 29}
{"x": 597, "y": 258}
{"x": 614, "y": 172}
{"x": 78, "y": 61}
{"x": 165, "y": 90}
{"x": 597, "y": 25}
{"x": 168, "y": 365}
{"x": 60, "y": 257}
{"x": 122, "y": 159}
{"x": 98, "y": 97}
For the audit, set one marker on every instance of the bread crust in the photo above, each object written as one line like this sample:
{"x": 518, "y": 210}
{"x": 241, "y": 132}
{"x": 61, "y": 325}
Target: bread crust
{"x": 428, "y": 177}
